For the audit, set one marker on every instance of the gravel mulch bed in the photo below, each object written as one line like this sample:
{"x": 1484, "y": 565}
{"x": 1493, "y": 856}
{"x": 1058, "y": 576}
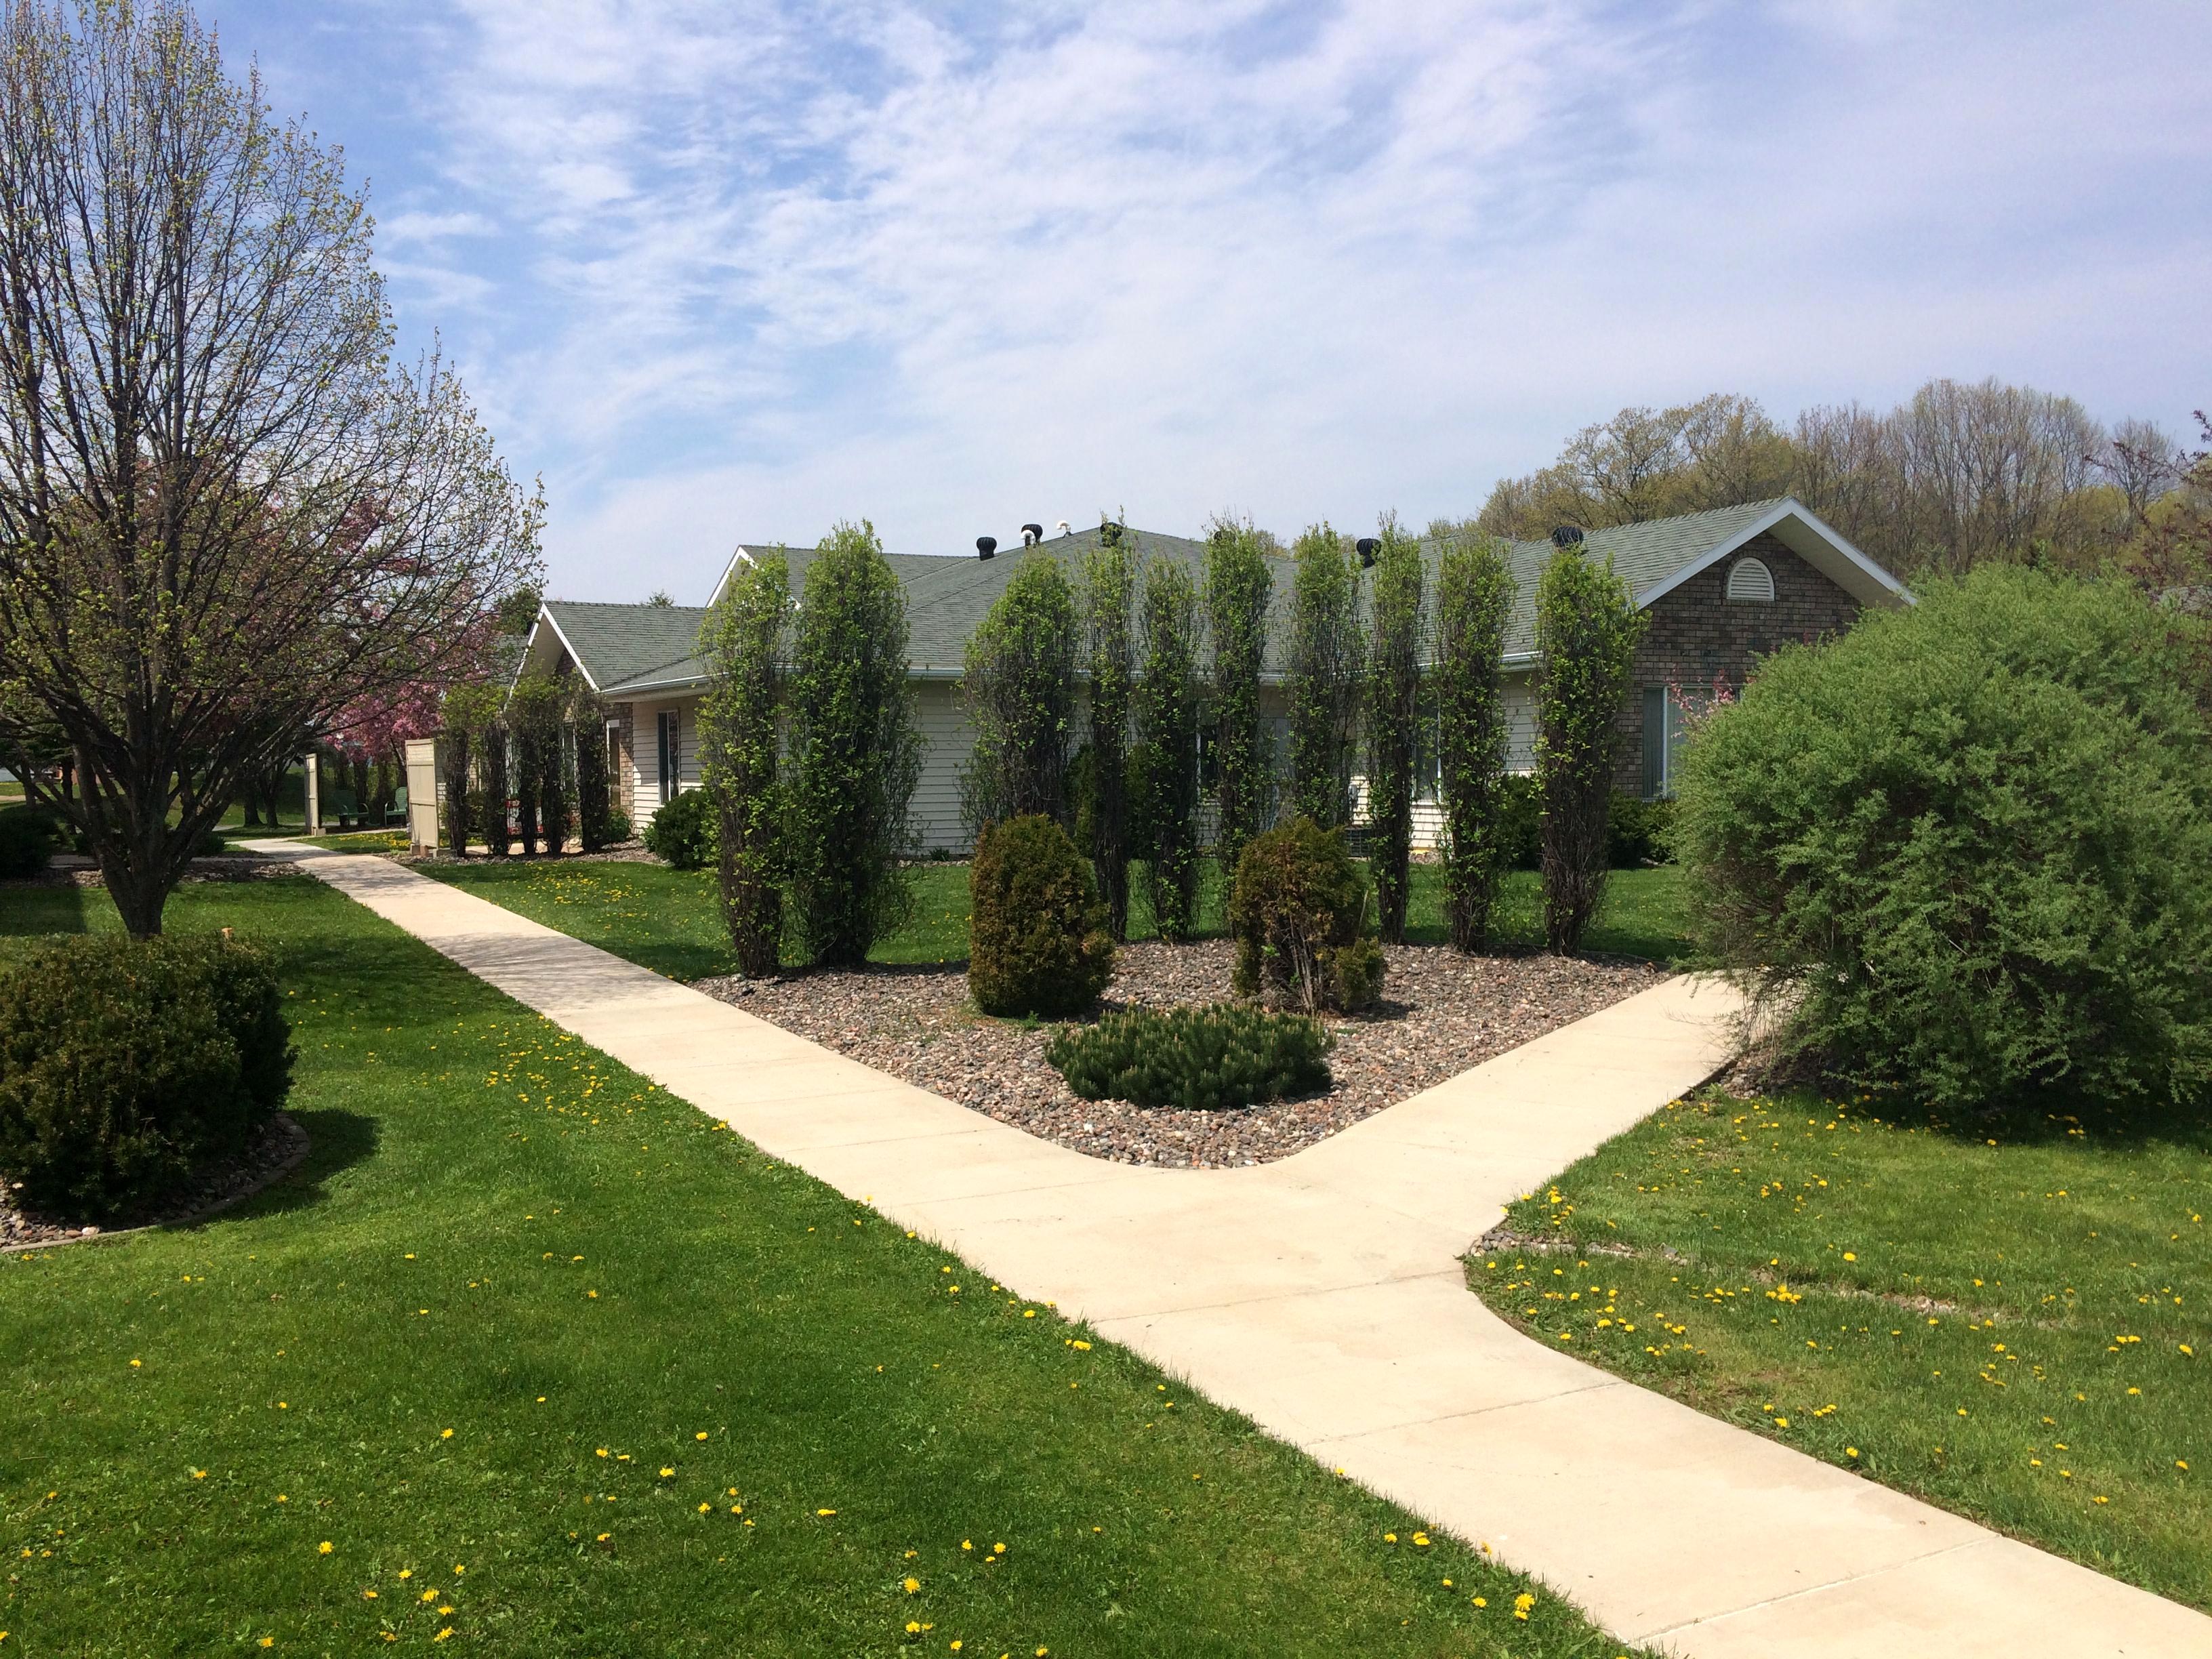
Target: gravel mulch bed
{"x": 274, "y": 1153}
{"x": 74, "y": 870}
{"x": 1443, "y": 1013}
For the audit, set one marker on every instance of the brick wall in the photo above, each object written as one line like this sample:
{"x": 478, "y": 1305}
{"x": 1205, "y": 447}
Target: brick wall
{"x": 1696, "y": 632}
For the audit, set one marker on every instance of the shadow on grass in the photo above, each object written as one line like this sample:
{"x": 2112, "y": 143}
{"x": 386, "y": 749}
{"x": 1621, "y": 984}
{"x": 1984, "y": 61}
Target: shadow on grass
{"x": 35, "y": 908}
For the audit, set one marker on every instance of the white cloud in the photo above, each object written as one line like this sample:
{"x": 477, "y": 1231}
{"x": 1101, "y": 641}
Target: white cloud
{"x": 736, "y": 270}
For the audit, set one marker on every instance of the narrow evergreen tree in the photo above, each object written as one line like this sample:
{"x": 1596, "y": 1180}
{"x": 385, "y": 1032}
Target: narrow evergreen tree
{"x": 1019, "y": 685}
{"x": 494, "y": 746}
{"x": 1238, "y": 585}
{"x": 1474, "y": 600}
{"x": 1394, "y": 712}
{"x": 740, "y": 733}
{"x": 1109, "y": 582}
{"x": 588, "y": 718}
{"x": 1167, "y": 727}
{"x": 856, "y": 752}
{"x": 1587, "y": 627}
{"x": 1325, "y": 664}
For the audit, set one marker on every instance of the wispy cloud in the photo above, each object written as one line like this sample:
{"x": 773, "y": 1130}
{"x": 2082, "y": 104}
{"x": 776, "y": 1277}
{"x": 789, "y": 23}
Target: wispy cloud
{"x": 733, "y": 269}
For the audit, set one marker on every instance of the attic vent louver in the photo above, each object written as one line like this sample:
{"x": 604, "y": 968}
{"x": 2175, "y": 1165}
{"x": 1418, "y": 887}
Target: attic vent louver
{"x": 1367, "y": 546}
{"x": 986, "y": 546}
{"x": 1032, "y": 534}
{"x": 1566, "y": 535}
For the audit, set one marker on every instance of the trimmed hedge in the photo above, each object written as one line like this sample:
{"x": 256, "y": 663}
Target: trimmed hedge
{"x": 1298, "y": 912}
{"x": 1199, "y": 1058}
{"x": 685, "y": 834}
{"x": 1966, "y": 851}
{"x": 1037, "y": 932}
{"x": 124, "y": 1063}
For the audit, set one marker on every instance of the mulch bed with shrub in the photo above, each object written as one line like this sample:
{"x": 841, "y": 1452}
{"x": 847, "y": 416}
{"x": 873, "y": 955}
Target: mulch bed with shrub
{"x": 278, "y": 1148}
{"x": 1441, "y": 1012}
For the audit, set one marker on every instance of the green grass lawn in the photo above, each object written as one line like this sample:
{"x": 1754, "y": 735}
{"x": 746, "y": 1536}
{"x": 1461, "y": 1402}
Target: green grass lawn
{"x": 2011, "y": 1318}
{"x": 667, "y": 920}
{"x": 534, "y": 1354}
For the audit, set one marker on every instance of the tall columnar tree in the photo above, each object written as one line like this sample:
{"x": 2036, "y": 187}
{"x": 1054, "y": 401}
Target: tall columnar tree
{"x": 537, "y": 712}
{"x": 588, "y": 720}
{"x": 494, "y": 743}
{"x": 741, "y": 730}
{"x": 1167, "y": 730}
{"x": 469, "y": 710}
{"x": 226, "y": 510}
{"x": 1019, "y": 683}
{"x": 1109, "y": 583}
{"x": 1587, "y": 629}
{"x": 1394, "y": 714}
{"x": 1475, "y": 601}
{"x": 1238, "y": 585}
{"x": 1326, "y": 657}
{"x": 855, "y": 751}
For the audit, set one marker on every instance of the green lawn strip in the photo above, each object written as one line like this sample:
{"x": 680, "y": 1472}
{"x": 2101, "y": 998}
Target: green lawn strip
{"x": 525, "y": 1331}
{"x": 668, "y": 920}
{"x": 2012, "y": 1320}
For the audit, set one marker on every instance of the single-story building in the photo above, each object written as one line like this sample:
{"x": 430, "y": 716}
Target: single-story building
{"x": 1721, "y": 589}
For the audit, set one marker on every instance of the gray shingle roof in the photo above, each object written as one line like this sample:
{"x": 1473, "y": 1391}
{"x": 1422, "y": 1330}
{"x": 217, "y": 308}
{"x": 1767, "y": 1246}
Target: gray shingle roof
{"x": 639, "y": 648}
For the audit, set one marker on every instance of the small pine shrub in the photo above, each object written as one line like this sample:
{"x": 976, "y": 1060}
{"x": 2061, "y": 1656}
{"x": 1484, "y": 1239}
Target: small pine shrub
{"x": 124, "y": 1063}
{"x": 683, "y": 834}
{"x": 29, "y": 837}
{"x": 1637, "y": 831}
{"x": 1199, "y": 1059}
{"x": 1299, "y": 916}
{"x": 1037, "y": 932}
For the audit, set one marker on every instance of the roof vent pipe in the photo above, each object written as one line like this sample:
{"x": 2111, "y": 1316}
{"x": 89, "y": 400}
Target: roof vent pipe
{"x": 1367, "y": 546}
{"x": 986, "y": 546}
{"x": 1032, "y": 534}
{"x": 1566, "y": 536}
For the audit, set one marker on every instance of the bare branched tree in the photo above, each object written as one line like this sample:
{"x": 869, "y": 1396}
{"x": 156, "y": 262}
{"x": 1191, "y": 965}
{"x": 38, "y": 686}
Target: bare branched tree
{"x": 225, "y": 509}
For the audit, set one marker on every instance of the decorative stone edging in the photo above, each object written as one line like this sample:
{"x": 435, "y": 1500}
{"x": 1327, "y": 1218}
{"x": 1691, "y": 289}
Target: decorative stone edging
{"x": 298, "y": 1146}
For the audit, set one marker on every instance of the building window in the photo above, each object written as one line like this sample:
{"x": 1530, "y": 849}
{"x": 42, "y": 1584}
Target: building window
{"x": 1665, "y": 730}
{"x": 671, "y": 753}
{"x": 1750, "y": 582}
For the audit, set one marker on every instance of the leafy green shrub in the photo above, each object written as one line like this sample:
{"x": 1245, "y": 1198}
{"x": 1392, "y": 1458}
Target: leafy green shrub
{"x": 617, "y": 827}
{"x": 1036, "y": 937}
{"x": 123, "y": 1063}
{"x": 1587, "y": 629}
{"x": 29, "y": 837}
{"x": 683, "y": 834}
{"x": 1637, "y": 832}
{"x": 1519, "y": 822}
{"x": 1966, "y": 850}
{"x": 1199, "y": 1059}
{"x": 1474, "y": 602}
{"x": 210, "y": 845}
{"x": 1298, "y": 912}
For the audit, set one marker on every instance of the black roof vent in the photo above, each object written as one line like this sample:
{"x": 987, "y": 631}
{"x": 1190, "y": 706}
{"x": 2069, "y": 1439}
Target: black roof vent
{"x": 1032, "y": 534}
{"x": 986, "y": 546}
{"x": 1367, "y": 546}
{"x": 1566, "y": 536}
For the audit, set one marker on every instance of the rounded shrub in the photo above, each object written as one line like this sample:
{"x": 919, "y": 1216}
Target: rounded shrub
{"x": 1298, "y": 912}
{"x": 1965, "y": 851}
{"x": 29, "y": 837}
{"x": 124, "y": 1063}
{"x": 683, "y": 834}
{"x": 1199, "y": 1059}
{"x": 1036, "y": 931}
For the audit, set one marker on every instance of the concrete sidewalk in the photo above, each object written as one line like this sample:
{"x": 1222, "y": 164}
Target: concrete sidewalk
{"x": 1323, "y": 1296}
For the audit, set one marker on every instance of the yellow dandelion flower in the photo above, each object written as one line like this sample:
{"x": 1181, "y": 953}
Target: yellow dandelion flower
{"x": 323, "y": 1548}
{"x": 1522, "y": 1603}
{"x": 911, "y": 1585}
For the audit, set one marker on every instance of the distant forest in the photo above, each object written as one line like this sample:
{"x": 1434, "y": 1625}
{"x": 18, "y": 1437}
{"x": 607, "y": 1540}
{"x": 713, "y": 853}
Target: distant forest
{"x": 1956, "y": 476}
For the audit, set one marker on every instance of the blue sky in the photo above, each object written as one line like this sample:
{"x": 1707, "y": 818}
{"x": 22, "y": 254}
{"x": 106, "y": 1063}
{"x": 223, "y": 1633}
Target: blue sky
{"x": 732, "y": 270}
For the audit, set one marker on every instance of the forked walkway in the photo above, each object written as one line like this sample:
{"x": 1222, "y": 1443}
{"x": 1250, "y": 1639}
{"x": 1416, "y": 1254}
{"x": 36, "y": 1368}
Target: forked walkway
{"x": 1323, "y": 1296}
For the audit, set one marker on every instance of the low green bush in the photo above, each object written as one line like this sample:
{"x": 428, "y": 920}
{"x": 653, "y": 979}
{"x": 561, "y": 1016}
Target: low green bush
{"x": 1966, "y": 851}
{"x": 1199, "y": 1059}
{"x": 1298, "y": 912}
{"x": 29, "y": 837}
{"x": 1638, "y": 832}
{"x": 1521, "y": 823}
{"x": 614, "y": 829}
{"x": 1036, "y": 933}
{"x": 124, "y": 1063}
{"x": 684, "y": 833}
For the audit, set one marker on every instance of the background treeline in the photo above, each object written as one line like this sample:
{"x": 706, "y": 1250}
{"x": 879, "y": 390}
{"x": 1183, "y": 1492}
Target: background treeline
{"x": 1957, "y": 476}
